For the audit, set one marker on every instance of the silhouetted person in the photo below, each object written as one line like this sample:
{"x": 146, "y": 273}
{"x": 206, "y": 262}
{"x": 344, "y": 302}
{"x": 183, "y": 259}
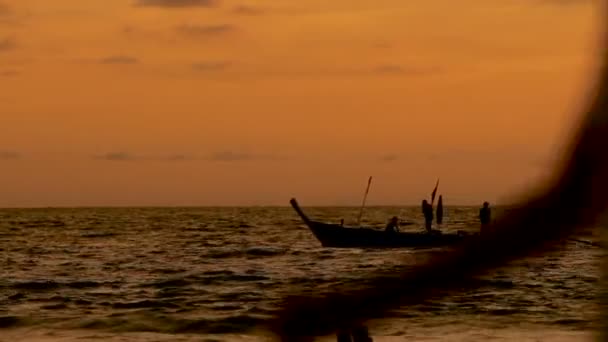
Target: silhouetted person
{"x": 484, "y": 216}
{"x": 427, "y": 211}
{"x": 393, "y": 225}
{"x": 439, "y": 212}
{"x": 342, "y": 222}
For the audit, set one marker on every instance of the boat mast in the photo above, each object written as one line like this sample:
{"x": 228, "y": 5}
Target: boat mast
{"x": 369, "y": 182}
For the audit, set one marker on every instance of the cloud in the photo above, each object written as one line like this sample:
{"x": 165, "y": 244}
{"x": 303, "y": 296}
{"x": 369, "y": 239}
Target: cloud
{"x": 9, "y": 155}
{"x": 211, "y": 66}
{"x": 119, "y": 60}
{"x": 126, "y": 156}
{"x": 391, "y": 69}
{"x": 222, "y": 156}
{"x": 117, "y": 156}
{"x": 10, "y": 17}
{"x": 5, "y": 10}
{"x": 336, "y": 71}
{"x": 9, "y": 73}
{"x": 173, "y": 158}
{"x": 389, "y": 158}
{"x": 247, "y": 10}
{"x": 382, "y": 45}
{"x": 177, "y": 3}
{"x": 177, "y": 157}
{"x": 484, "y": 155}
{"x": 564, "y": 2}
{"x": 388, "y": 69}
{"x": 7, "y": 44}
{"x": 232, "y": 156}
{"x": 197, "y": 31}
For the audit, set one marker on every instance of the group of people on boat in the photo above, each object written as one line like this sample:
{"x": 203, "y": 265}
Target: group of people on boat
{"x": 427, "y": 211}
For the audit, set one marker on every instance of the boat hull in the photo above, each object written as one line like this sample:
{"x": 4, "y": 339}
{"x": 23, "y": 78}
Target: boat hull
{"x": 337, "y": 236}
{"x": 333, "y": 235}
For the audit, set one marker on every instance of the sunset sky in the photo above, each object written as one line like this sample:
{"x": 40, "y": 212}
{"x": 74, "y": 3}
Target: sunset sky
{"x": 226, "y": 102}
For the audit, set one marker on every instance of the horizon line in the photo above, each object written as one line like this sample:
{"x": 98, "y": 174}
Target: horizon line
{"x": 239, "y": 206}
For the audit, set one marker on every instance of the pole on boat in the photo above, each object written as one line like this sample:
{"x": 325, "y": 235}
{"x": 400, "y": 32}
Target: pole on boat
{"x": 434, "y": 192}
{"x": 369, "y": 182}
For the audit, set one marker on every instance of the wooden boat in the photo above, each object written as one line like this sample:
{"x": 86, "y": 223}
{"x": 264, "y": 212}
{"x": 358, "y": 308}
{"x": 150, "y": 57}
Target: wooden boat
{"x": 335, "y": 235}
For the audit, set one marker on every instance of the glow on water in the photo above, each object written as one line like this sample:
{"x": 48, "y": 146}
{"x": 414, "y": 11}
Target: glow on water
{"x": 190, "y": 273}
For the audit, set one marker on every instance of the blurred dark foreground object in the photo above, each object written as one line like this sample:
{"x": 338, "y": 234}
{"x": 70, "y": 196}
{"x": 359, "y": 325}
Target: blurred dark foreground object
{"x": 575, "y": 198}
{"x": 358, "y": 334}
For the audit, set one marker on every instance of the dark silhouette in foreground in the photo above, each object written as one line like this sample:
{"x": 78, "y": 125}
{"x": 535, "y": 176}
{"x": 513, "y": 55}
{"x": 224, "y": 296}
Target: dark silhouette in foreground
{"x": 358, "y": 334}
{"x": 575, "y": 198}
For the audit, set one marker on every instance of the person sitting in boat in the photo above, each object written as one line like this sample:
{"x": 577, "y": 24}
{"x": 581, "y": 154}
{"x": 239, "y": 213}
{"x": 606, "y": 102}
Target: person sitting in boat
{"x": 427, "y": 211}
{"x": 393, "y": 225}
{"x": 484, "y": 216}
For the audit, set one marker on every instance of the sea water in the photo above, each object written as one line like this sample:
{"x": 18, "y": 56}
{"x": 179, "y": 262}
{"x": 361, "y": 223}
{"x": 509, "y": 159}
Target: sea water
{"x": 215, "y": 274}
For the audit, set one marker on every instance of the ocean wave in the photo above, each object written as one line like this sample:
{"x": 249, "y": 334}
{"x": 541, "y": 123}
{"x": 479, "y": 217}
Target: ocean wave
{"x": 145, "y": 304}
{"x": 100, "y": 234}
{"x": 48, "y": 285}
{"x": 210, "y": 278}
{"x": 148, "y": 322}
{"x": 37, "y": 223}
{"x": 258, "y": 251}
{"x": 9, "y": 322}
{"x": 198, "y": 275}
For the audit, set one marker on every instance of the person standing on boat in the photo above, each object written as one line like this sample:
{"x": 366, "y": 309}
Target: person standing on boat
{"x": 427, "y": 211}
{"x": 484, "y": 216}
{"x": 393, "y": 225}
{"x": 439, "y": 212}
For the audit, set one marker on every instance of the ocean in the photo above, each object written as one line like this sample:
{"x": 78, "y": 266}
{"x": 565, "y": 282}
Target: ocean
{"x": 217, "y": 274}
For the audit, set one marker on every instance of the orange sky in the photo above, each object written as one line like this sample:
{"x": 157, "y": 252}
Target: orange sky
{"x": 203, "y": 102}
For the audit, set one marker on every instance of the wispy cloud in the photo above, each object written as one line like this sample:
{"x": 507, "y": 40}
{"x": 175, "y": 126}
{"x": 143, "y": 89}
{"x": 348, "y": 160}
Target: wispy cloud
{"x": 9, "y": 155}
{"x": 178, "y": 157}
{"x": 338, "y": 71}
{"x": 9, "y": 73}
{"x": 122, "y": 156}
{"x": 221, "y": 156}
{"x": 564, "y": 2}
{"x": 234, "y": 156}
{"x": 247, "y": 10}
{"x": 382, "y": 45}
{"x": 211, "y": 66}
{"x": 499, "y": 155}
{"x": 119, "y": 60}
{"x": 392, "y": 69}
{"x": 177, "y": 3}
{"x": 117, "y": 156}
{"x": 203, "y": 31}
{"x": 5, "y": 10}
{"x": 387, "y": 158}
{"x": 7, "y": 44}
{"x": 230, "y": 156}
{"x": 11, "y": 17}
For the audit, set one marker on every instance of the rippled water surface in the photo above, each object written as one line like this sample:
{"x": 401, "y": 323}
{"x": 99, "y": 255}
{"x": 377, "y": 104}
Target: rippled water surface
{"x": 215, "y": 273}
